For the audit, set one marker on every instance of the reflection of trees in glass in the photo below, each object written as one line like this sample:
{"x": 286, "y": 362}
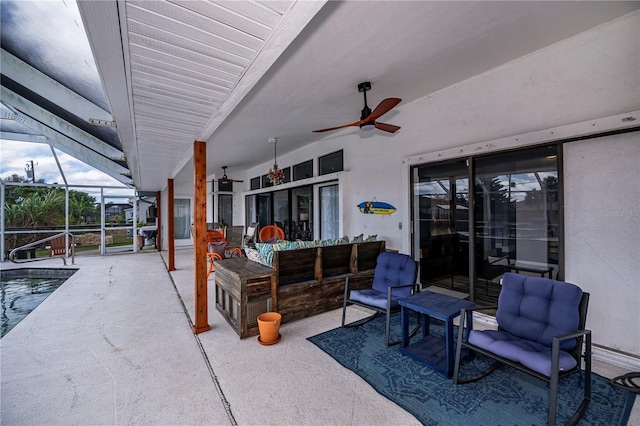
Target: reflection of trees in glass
{"x": 462, "y": 200}
{"x": 497, "y": 193}
{"x": 547, "y": 193}
{"x": 493, "y": 206}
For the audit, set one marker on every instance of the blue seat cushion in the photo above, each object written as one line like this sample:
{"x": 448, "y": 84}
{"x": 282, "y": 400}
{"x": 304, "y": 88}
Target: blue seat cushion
{"x": 529, "y": 353}
{"x": 373, "y": 298}
{"x": 394, "y": 269}
{"x": 537, "y": 309}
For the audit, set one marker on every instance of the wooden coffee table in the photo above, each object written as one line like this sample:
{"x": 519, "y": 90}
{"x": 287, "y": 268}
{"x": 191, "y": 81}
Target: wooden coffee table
{"x": 434, "y": 351}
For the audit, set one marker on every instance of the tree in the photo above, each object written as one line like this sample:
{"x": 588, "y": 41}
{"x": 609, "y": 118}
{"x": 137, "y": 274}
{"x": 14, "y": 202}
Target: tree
{"x": 15, "y": 194}
{"x": 34, "y": 207}
{"x": 82, "y": 207}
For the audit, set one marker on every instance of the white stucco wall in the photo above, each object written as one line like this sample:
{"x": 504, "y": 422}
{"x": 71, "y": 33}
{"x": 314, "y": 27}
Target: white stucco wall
{"x": 593, "y": 75}
{"x": 602, "y": 234}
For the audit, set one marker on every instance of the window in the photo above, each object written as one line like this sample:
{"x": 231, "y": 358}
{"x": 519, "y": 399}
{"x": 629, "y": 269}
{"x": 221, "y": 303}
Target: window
{"x": 290, "y": 209}
{"x": 225, "y": 209}
{"x": 331, "y": 163}
{"x": 266, "y": 183}
{"x": 303, "y": 170}
{"x": 287, "y": 175}
{"x": 182, "y": 219}
{"x": 225, "y": 186}
{"x": 255, "y": 183}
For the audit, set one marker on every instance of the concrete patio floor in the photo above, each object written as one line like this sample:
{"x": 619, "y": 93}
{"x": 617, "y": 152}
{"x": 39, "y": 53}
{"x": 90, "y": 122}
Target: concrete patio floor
{"x": 113, "y": 345}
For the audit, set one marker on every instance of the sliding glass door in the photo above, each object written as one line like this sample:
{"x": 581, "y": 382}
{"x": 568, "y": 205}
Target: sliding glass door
{"x": 517, "y": 216}
{"x": 182, "y": 221}
{"x": 329, "y": 212}
{"x": 441, "y": 211}
{"x": 290, "y": 209}
{"x": 514, "y": 224}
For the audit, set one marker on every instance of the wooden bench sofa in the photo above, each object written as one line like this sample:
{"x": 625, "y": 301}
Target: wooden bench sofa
{"x": 307, "y": 282}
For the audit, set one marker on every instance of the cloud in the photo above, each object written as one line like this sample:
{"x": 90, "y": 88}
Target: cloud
{"x": 14, "y": 156}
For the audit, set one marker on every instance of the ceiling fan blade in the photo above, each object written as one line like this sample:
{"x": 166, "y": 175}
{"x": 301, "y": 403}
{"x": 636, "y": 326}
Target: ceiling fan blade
{"x": 383, "y": 107}
{"x": 386, "y": 127}
{"x": 357, "y": 123}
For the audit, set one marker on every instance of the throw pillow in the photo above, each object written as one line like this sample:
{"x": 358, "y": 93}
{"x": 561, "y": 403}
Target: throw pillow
{"x": 358, "y": 239}
{"x": 218, "y": 247}
{"x": 252, "y": 254}
{"x": 371, "y": 238}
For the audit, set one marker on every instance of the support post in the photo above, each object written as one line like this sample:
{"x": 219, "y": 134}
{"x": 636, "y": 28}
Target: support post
{"x": 158, "y": 221}
{"x": 170, "y": 225}
{"x": 199, "y": 236}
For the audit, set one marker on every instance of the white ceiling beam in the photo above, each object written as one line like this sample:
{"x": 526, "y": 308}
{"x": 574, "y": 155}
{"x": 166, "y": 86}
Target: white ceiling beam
{"x": 30, "y": 109}
{"x": 48, "y": 88}
{"x": 102, "y": 24}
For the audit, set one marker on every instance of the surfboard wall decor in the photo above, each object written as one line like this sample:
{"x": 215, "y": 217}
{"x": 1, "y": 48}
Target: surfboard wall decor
{"x": 376, "y": 207}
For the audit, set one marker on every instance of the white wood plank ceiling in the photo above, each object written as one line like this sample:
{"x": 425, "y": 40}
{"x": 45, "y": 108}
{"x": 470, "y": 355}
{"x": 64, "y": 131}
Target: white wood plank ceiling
{"x": 183, "y": 60}
{"x": 235, "y": 73}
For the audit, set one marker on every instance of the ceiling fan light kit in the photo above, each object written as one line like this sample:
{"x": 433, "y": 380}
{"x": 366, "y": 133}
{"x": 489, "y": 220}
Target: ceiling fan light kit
{"x": 367, "y": 117}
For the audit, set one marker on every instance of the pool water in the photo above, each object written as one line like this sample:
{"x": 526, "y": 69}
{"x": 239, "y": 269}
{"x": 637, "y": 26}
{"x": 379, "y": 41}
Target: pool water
{"x": 22, "y": 290}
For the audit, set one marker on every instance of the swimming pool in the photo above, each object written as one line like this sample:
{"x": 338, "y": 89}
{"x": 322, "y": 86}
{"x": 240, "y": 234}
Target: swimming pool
{"x": 22, "y": 290}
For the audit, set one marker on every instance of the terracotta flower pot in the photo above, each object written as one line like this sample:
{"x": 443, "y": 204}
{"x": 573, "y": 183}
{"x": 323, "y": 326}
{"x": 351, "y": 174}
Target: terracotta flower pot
{"x": 269, "y": 326}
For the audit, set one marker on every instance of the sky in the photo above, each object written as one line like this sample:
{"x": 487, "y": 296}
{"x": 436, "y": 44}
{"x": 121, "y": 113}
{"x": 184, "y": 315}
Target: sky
{"x": 14, "y": 156}
{"x": 59, "y": 48}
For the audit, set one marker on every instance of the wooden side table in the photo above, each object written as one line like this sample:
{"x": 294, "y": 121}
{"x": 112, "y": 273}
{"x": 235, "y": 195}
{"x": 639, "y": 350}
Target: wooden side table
{"x": 434, "y": 351}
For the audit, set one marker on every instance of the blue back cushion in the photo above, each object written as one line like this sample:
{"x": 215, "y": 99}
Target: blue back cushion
{"x": 394, "y": 269}
{"x": 537, "y": 309}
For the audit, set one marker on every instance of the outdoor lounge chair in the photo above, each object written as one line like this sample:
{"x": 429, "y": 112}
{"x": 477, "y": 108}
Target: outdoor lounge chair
{"x": 270, "y": 232}
{"x": 57, "y": 246}
{"x": 250, "y": 236}
{"x": 394, "y": 278}
{"x": 217, "y": 249}
{"x": 540, "y": 332}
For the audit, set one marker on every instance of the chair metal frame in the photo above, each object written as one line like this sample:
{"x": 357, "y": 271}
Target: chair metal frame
{"x": 583, "y": 338}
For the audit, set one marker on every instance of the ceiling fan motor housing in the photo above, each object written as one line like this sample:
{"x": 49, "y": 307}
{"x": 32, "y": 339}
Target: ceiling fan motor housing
{"x": 366, "y": 111}
{"x": 363, "y": 87}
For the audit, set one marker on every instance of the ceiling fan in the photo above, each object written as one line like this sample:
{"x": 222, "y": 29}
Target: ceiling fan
{"x": 224, "y": 177}
{"x": 367, "y": 117}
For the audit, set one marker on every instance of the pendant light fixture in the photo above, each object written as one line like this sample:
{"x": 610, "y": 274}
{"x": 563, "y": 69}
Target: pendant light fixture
{"x": 275, "y": 175}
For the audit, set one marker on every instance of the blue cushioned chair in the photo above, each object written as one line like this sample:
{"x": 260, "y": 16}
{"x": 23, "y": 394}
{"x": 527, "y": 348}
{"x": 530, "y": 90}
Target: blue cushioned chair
{"x": 394, "y": 278}
{"x": 541, "y": 328}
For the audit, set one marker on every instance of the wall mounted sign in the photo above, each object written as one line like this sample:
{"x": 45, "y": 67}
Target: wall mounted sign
{"x": 376, "y": 207}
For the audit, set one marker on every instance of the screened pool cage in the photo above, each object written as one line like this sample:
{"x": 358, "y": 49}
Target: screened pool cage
{"x": 94, "y": 220}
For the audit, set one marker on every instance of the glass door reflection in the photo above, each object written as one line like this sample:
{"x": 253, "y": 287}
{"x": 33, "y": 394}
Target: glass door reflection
{"x": 441, "y": 212}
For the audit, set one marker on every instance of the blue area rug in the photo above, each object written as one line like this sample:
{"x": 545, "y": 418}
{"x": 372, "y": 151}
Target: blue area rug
{"x": 504, "y": 397}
